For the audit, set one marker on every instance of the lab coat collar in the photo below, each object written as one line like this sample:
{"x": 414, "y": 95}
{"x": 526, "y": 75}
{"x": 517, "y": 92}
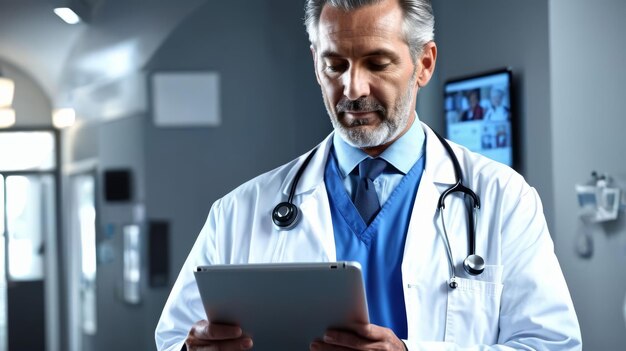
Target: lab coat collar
{"x": 438, "y": 164}
{"x": 313, "y": 175}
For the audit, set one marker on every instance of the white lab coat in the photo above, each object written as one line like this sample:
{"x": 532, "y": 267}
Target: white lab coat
{"x": 520, "y": 301}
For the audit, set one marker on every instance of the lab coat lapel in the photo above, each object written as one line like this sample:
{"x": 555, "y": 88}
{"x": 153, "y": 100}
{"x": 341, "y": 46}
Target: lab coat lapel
{"x": 438, "y": 163}
{"x": 313, "y": 174}
{"x": 425, "y": 262}
{"x": 438, "y": 174}
{"x": 312, "y": 199}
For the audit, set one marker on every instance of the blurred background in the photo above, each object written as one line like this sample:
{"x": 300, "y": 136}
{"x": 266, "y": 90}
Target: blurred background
{"x": 118, "y": 133}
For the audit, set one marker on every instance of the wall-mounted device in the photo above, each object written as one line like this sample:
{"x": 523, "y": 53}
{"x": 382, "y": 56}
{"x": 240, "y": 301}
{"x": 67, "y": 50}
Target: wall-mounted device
{"x": 599, "y": 199}
{"x": 479, "y": 114}
{"x": 118, "y": 185}
{"x": 158, "y": 253}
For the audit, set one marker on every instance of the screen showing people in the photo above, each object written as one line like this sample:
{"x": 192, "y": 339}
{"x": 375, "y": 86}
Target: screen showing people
{"x": 478, "y": 114}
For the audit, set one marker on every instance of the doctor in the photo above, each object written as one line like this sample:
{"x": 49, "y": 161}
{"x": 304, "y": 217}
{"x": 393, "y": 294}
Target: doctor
{"x": 370, "y": 193}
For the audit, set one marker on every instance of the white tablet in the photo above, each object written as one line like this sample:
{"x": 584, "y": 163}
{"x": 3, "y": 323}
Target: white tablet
{"x": 284, "y": 306}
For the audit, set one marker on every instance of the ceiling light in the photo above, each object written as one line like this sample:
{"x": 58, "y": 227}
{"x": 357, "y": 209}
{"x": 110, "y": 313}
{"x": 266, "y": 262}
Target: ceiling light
{"x": 7, "y": 117}
{"x": 7, "y": 89}
{"x": 67, "y": 14}
{"x": 63, "y": 117}
{"x": 73, "y": 11}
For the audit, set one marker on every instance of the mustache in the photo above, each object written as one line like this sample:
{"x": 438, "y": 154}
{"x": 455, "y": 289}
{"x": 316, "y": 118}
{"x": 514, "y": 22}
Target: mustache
{"x": 363, "y": 104}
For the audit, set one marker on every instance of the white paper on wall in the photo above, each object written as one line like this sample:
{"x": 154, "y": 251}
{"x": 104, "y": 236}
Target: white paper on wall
{"x": 186, "y": 99}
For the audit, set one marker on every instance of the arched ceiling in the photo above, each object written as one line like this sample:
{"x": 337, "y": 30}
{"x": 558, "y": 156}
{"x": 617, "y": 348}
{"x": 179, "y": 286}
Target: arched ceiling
{"x": 36, "y": 40}
{"x": 119, "y": 39}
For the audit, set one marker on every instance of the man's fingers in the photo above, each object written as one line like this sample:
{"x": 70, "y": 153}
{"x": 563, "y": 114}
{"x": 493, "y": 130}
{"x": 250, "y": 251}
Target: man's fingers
{"x": 322, "y": 346}
{"x": 205, "y": 336}
{"x": 347, "y": 339}
{"x": 372, "y": 331}
{"x": 361, "y": 337}
{"x": 204, "y": 330}
{"x": 364, "y": 346}
{"x": 243, "y": 343}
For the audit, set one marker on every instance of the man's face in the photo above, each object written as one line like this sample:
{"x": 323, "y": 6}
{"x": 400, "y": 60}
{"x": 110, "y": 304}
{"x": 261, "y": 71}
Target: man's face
{"x": 473, "y": 99}
{"x": 368, "y": 78}
{"x": 496, "y": 98}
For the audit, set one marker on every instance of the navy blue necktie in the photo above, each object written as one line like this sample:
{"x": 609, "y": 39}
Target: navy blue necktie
{"x": 366, "y": 199}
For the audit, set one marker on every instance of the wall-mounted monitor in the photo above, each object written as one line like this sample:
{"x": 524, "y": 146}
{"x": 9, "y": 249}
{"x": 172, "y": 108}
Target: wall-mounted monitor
{"x": 478, "y": 113}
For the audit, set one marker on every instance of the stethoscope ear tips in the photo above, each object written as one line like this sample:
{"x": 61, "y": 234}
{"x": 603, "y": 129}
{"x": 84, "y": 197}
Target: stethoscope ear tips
{"x": 474, "y": 264}
{"x": 285, "y": 215}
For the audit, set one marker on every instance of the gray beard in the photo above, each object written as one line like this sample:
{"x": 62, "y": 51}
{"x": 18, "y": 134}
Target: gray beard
{"x": 394, "y": 123}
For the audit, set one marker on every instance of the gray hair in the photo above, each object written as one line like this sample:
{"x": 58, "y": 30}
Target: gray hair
{"x": 419, "y": 21}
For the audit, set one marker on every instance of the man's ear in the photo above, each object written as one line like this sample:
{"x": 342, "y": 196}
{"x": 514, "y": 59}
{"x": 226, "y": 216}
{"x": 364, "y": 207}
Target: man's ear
{"x": 315, "y": 64}
{"x": 426, "y": 64}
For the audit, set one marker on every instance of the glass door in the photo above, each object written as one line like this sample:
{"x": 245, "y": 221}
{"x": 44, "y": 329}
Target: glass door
{"x": 29, "y": 217}
{"x": 30, "y": 222}
{"x": 28, "y": 298}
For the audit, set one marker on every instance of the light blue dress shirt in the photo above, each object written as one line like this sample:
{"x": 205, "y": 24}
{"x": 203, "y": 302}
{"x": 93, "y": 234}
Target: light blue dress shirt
{"x": 402, "y": 155}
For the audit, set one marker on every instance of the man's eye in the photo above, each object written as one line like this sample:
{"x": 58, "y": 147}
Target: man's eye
{"x": 379, "y": 66}
{"x": 335, "y": 67}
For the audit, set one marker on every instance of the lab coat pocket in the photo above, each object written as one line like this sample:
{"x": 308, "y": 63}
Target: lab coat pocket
{"x": 473, "y": 312}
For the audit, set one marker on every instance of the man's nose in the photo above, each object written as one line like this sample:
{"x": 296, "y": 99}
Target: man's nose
{"x": 356, "y": 84}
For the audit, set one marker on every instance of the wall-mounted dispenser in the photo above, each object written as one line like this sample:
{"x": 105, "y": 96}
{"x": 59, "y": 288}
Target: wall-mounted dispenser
{"x": 599, "y": 199}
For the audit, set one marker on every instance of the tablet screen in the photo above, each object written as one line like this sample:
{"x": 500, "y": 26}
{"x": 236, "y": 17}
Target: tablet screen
{"x": 284, "y": 306}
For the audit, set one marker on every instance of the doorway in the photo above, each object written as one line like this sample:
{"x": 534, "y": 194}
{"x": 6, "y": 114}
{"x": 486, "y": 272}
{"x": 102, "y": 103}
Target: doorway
{"x": 28, "y": 273}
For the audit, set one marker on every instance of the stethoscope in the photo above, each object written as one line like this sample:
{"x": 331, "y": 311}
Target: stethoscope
{"x": 473, "y": 263}
{"x": 286, "y": 214}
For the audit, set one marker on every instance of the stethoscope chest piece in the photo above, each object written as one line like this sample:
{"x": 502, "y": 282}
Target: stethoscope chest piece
{"x": 285, "y": 215}
{"x": 474, "y": 264}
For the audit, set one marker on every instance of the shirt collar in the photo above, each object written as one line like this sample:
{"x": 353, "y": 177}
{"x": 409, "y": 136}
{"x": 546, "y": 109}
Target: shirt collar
{"x": 402, "y": 154}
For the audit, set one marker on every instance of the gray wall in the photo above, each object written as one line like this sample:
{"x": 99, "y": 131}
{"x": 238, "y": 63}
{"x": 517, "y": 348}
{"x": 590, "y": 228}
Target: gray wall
{"x": 271, "y": 112}
{"x": 587, "y": 73}
{"x": 482, "y": 35}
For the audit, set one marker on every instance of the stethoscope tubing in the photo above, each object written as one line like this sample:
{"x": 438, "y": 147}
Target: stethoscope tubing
{"x": 286, "y": 213}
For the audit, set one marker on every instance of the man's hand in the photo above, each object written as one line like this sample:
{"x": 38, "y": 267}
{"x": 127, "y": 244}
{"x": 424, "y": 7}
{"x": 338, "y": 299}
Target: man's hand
{"x": 368, "y": 337}
{"x": 216, "y": 337}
